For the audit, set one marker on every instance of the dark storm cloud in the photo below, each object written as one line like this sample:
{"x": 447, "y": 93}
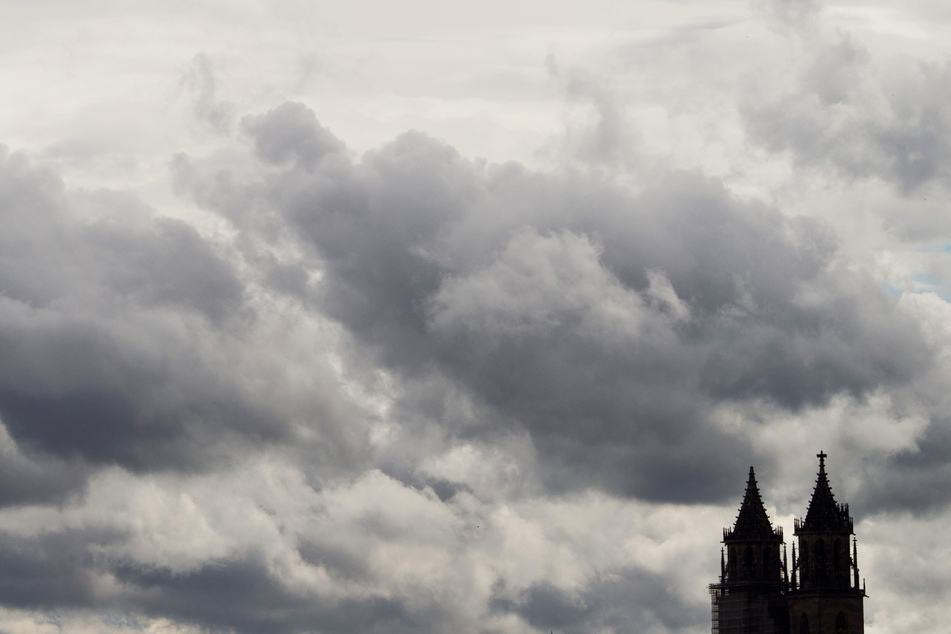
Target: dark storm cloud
{"x": 73, "y": 569}
{"x": 338, "y": 561}
{"x": 605, "y": 324}
{"x": 56, "y": 569}
{"x": 116, "y": 335}
{"x": 631, "y": 600}
{"x": 914, "y": 480}
{"x": 169, "y": 263}
{"x": 861, "y": 117}
{"x": 243, "y": 595}
{"x": 33, "y": 479}
{"x": 48, "y": 258}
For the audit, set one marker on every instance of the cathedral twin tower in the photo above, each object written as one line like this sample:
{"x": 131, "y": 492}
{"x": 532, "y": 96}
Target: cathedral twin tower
{"x": 757, "y": 594}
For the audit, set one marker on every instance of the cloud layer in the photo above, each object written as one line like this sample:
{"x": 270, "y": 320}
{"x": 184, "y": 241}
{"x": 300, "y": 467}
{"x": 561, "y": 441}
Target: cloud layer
{"x": 286, "y": 385}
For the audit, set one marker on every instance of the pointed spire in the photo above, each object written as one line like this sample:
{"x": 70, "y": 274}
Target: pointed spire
{"x": 752, "y": 522}
{"x": 794, "y": 565}
{"x": 824, "y": 513}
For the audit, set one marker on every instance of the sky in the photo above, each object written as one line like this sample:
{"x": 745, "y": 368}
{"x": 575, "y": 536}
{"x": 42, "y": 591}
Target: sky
{"x": 430, "y": 316}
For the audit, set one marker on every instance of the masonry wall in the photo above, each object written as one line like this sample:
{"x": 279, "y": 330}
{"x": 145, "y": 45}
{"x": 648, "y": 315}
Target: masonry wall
{"x": 822, "y": 611}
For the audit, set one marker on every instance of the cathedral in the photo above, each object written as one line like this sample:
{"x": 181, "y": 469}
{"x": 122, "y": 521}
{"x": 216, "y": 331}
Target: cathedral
{"x": 760, "y": 593}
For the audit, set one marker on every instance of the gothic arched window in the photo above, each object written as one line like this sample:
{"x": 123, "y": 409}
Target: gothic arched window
{"x": 821, "y": 572}
{"x": 748, "y": 561}
{"x": 838, "y": 556}
{"x": 841, "y": 623}
{"x": 733, "y": 564}
{"x": 804, "y": 562}
{"x": 803, "y": 624}
{"x": 767, "y": 561}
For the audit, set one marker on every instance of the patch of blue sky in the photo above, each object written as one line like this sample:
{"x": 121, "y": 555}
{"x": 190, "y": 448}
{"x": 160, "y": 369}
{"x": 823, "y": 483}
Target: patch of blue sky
{"x": 938, "y": 247}
{"x": 918, "y": 283}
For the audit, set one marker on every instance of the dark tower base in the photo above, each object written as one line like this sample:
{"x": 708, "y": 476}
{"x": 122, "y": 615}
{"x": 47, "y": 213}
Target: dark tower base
{"x": 825, "y": 614}
{"x": 748, "y": 611}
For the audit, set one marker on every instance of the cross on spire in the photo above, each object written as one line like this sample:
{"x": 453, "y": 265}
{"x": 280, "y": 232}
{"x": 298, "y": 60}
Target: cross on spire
{"x": 824, "y": 513}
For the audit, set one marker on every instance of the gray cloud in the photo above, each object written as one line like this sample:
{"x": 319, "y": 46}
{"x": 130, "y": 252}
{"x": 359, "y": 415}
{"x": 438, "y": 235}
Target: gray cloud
{"x": 798, "y": 15}
{"x": 291, "y": 132}
{"x": 57, "y": 569}
{"x": 914, "y": 480}
{"x": 605, "y": 137}
{"x": 167, "y": 264}
{"x": 628, "y": 600}
{"x": 200, "y": 80}
{"x": 860, "y": 117}
{"x": 605, "y": 324}
{"x": 243, "y": 595}
{"x": 341, "y": 582}
{"x": 35, "y": 479}
{"x": 117, "y": 334}
{"x": 400, "y": 390}
{"x": 493, "y": 305}
{"x": 61, "y": 571}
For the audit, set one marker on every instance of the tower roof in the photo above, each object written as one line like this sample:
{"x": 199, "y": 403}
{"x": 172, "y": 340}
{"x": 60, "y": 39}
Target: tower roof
{"x": 752, "y": 522}
{"x": 824, "y": 513}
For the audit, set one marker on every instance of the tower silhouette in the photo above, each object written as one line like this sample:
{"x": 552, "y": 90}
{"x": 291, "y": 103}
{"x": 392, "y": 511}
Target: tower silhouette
{"x": 750, "y": 596}
{"x": 755, "y": 594}
{"x": 826, "y": 597}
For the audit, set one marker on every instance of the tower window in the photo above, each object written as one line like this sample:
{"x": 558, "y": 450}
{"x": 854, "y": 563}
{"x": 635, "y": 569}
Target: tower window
{"x": 841, "y": 623}
{"x": 804, "y": 562}
{"x": 838, "y": 556}
{"x": 821, "y": 571}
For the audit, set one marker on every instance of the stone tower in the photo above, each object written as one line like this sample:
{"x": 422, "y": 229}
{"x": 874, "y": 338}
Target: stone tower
{"x": 750, "y": 596}
{"x": 824, "y": 596}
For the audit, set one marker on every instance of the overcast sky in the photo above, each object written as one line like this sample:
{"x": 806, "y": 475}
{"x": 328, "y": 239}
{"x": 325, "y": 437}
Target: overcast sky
{"x": 428, "y": 316}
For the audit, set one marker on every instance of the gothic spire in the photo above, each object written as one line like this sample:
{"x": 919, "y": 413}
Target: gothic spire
{"x": 795, "y": 564}
{"x": 824, "y": 513}
{"x": 752, "y": 522}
